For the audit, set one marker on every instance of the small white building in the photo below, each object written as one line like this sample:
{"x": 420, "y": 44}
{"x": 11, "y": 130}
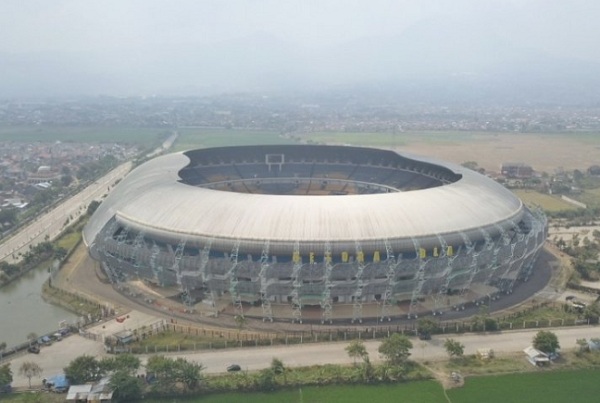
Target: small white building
{"x": 78, "y": 393}
{"x": 485, "y": 353}
{"x": 99, "y": 392}
{"x": 593, "y": 345}
{"x": 536, "y": 357}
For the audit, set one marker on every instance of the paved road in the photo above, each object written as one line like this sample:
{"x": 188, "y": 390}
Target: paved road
{"x": 51, "y": 224}
{"x": 54, "y": 358}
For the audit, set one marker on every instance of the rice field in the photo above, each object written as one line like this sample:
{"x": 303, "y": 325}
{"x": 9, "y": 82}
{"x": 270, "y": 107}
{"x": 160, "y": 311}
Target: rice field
{"x": 537, "y": 387}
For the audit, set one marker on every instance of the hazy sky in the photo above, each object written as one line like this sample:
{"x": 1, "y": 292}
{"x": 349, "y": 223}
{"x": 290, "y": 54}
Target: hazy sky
{"x": 29, "y": 25}
{"x": 95, "y": 28}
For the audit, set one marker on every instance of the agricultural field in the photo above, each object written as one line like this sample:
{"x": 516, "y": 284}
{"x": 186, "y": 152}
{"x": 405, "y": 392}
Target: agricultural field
{"x": 579, "y": 386}
{"x": 412, "y": 392}
{"x": 388, "y": 140}
{"x": 543, "y": 387}
{"x": 146, "y": 137}
{"x": 545, "y": 152}
{"x": 190, "y": 138}
{"x": 547, "y": 202}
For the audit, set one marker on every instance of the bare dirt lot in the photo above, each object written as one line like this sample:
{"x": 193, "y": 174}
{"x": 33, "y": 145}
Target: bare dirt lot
{"x": 544, "y": 152}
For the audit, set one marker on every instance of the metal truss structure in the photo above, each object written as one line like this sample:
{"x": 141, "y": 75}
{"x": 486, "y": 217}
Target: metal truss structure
{"x": 496, "y": 259}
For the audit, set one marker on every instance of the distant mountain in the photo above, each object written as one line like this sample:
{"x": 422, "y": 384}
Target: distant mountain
{"x": 440, "y": 60}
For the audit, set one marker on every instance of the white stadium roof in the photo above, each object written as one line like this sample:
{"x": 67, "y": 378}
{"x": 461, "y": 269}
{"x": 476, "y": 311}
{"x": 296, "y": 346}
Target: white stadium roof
{"x": 151, "y": 199}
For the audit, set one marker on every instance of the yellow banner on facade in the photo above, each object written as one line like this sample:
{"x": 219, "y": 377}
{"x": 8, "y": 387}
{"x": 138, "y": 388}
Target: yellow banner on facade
{"x": 296, "y": 257}
{"x": 376, "y": 257}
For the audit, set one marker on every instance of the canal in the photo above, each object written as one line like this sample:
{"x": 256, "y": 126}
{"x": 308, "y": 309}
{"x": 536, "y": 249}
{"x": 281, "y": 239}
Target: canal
{"x": 23, "y": 311}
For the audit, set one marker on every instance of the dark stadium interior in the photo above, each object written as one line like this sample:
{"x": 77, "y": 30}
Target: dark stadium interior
{"x": 308, "y": 170}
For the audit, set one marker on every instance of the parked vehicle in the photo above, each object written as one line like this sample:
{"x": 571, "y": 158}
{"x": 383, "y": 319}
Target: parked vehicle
{"x": 33, "y": 349}
{"x": 44, "y": 341}
{"x": 234, "y": 368}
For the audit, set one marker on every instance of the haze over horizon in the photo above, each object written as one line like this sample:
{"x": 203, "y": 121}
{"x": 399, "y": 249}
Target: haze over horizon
{"x": 527, "y": 50}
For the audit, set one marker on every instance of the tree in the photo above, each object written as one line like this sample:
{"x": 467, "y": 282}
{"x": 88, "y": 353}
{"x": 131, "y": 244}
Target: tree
{"x": 8, "y": 215}
{"x": 188, "y": 373}
{"x": 483, "y": 322}
{"x": 123, "y": 379}
{"x": 240, "y": 321}
{"x": 546, "y": 341}
{"x": 94, "y": 204}
{"x": 168, "y": 373}
{"x": 126, "y": 386}
{"x": 9, "y": 268}
{"x": 367, "y": 370}
{"x": 356, "y": 349}
{"x": 454, "y": 348}
{"x": 60, "y": 253}
{"x": 277, "y": 366}
{"x": 583, "y": 345}
{"x": 66, "y": 180}
{"x": 592, "y": 311}
{"x": 5, "y": 375}
{"x": 31, "y": 338}
{"x": 122, "y": 362}
{"x": 426, "y": 326}
{"x": 29, "y": 369}
{"x": 396, "y": 349}
{"x": 84, "y": 369}
{"x": 161, "y": 368}
{"x": 2, "y": 348}
{"x": 266, "y": 380}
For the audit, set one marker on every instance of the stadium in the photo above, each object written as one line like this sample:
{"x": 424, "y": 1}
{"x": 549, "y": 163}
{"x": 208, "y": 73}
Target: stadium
{"x": 301, "y": 232}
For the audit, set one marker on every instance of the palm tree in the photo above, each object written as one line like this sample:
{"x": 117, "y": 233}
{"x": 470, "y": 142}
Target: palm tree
{"x": 356, "y": 349}
{"x": 30, "y": 369}
{"x": 278, "y": 368}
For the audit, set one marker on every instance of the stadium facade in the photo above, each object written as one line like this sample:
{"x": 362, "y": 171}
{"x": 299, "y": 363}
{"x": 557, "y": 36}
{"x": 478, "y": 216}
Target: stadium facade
{"x": 318, "y": 228}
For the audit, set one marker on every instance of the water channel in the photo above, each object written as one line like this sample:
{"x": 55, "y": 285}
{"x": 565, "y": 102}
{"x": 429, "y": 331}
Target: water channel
{"x": 23, "y": 311}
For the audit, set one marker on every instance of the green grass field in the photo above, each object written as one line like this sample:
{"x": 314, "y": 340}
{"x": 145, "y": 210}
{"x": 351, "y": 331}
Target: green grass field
{"x": 413, "y": 392}
{"x": 190, "y": 138}
{"x": 143, "y": 136}
{"x": 545, "y": 201}
{"x": 579, "y": 386}
{"x": 543, "y": 387}
{"x": 591, "y": 197}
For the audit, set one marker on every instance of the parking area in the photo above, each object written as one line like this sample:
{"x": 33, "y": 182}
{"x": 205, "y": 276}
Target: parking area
{"x": 53, "y": 358}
